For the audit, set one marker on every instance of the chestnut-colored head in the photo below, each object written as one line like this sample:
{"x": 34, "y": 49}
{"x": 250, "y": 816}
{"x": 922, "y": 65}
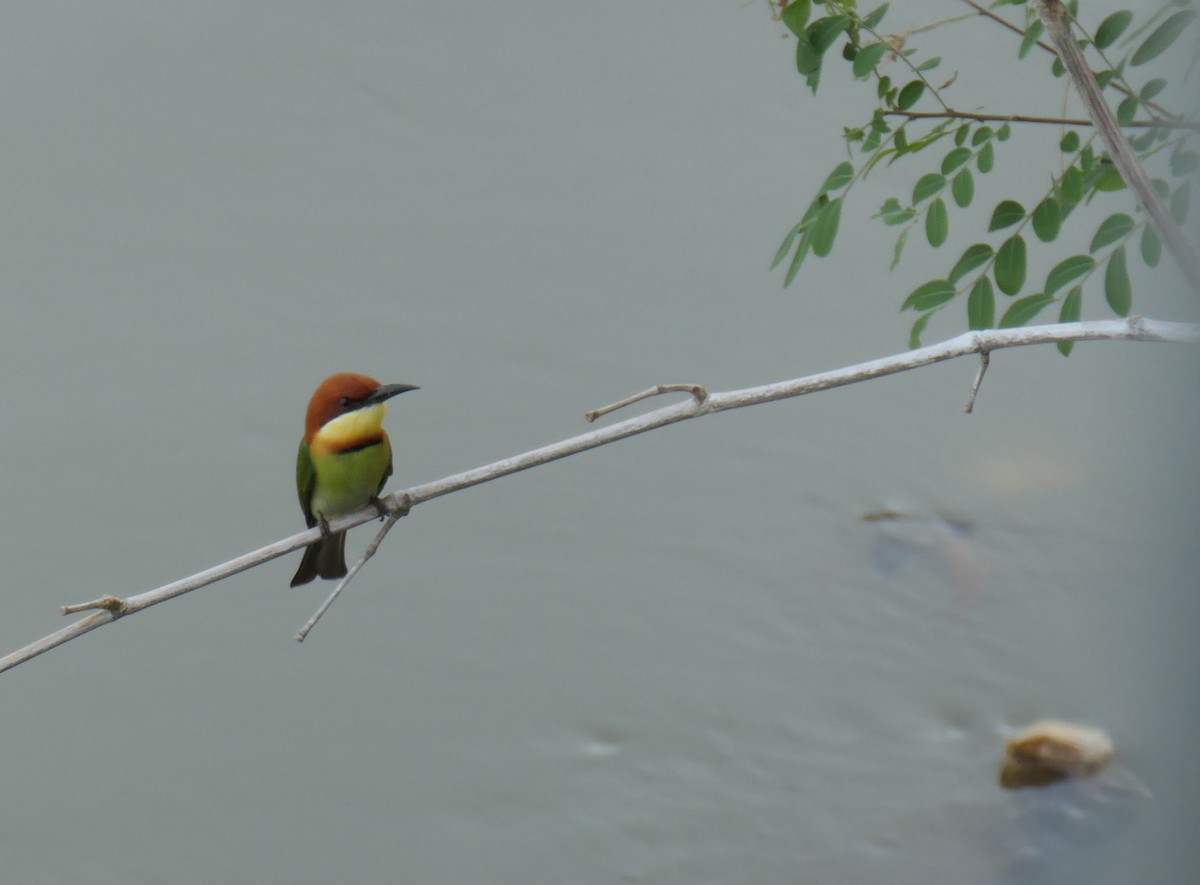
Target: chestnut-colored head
{"x": 346, "y": 392}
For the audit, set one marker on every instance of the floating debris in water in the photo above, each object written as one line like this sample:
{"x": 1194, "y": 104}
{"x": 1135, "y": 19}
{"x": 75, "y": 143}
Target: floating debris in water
{"x": 1050, "y": 751}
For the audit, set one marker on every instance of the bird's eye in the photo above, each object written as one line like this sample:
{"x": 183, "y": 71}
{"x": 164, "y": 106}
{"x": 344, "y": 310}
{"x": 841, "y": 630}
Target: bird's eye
{"x": 344, "y": 401}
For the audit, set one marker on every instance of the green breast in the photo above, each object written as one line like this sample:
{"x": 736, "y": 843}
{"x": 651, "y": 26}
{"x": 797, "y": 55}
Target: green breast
{"x": 347, "y": 481}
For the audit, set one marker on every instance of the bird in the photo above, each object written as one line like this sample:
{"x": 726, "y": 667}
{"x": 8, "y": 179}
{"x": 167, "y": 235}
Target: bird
{"x": 345, "y": 458}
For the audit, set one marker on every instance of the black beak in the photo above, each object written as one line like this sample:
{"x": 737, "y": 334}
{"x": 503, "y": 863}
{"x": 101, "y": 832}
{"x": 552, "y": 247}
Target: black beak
{"x": 384, "y": 392}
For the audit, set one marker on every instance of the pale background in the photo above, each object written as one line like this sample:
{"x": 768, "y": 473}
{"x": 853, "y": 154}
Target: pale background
{"x": 683, "y": 658}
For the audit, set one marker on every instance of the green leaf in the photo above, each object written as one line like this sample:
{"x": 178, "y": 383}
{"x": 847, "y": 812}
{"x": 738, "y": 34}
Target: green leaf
{"x": 898, "y": 217}
{"x": 1032, "y": 34}
{"x": 1103, "y": 78}
{"x": 1151, "y": 89}
{"x": 1143, "y": 142}
{"x": 841, "y": 175}
{"x": 954, "y": 159}
{"x": 1117, "y": 289}
{"x": 972, "y": 257}
{"x": 1047, "y": 219}
{"x": 937, "y": 223}
{"x": 1113, "y": 228}
{"x": 1069, "y": 143}
{"x": 1003, "y": 132}
{"x": 1109, "y": 180}
{"x": 805, "y": 244}
{"x": 1072, "y": 306}
{"x": 929, "y": 295}
{"x": 1180, "y": 201}
{"x": 898, "y": 249}
{"x": 1112, "y": 28}
{"x": 1127, "y": 110}
{"x": 985, "y": 159}
{"x": 1072, "y": 185}
{"x": 802, "y": 250}
{"x": 1161, "y": 38}
{"x": 963, "y": 188}
{"x": 927, "y": 185}
{"x": 982, "y": 134}
{"x": 1023, "y": 310}
{"x": 824, "y": 31}
{"x": 926, "y": 140}
{"x": 1184, "y": 163}
{"x": 890, "y": 207}
{"x": 808, "y": 60}
{"x": 795, "y": 16}
{"x": 960, "y": 136}
{"x": 819, "y": 202}
{"x": 811, "y": 46}
{"x": 824, "y": 228}
{"x": 1006, "y": 214}
{"x": 981, "y": 305}
{"x": 914, "y": 336}
{"x": 875, "y": 16}
{"x": 867, "y": 58}
{"x": 1151, "y": 246}
{"x": 910, "y": 94}
{"x": 1067, "y": 270}
{"x": 786, "y": 246}
{"x": 1057, "y": 68}
{"x": 1009, "y": 268}
{"x": 1069, "y": 313}
{"x": 928, "y": 65}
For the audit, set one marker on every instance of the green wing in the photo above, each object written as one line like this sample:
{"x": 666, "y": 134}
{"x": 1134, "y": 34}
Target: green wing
{"x": 306, "y": 482}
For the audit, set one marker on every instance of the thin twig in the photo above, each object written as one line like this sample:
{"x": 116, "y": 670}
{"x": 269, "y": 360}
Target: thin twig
{"x": 697, "y": 392}
{"x": 1131, "y": 329}
{"x": 903, "y": 36}
{"x": 1058, "y": 26}
{"x": 113, "y": 604}
{"x": 1027, "y": 118}
{"x": 1001, "y": 20}
{"x": 985, "y": 357}
{"x": 388, "y": 522}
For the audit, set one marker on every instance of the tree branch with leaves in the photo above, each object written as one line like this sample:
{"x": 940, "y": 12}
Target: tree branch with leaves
{"x": 902, "y": 79}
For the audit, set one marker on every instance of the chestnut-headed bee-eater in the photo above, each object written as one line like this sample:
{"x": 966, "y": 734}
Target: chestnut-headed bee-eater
{"x": 345, "y": 458}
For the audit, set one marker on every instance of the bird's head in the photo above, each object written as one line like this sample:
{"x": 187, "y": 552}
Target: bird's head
{"x": 345, "y": 393}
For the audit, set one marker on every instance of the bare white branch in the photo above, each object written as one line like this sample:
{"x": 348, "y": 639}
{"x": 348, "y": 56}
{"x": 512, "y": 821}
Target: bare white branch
{"x": 985, "y": 357}
{"x": 694, "y": 389}
{"x": 109, "y": 608}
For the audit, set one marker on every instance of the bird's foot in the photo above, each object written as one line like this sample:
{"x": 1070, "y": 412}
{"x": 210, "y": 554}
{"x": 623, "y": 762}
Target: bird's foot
{"x": 323, "y": 524}
{"x": 400, "y": 508}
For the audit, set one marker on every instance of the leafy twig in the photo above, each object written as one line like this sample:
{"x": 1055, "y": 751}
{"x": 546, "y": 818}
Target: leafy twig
{"x": 1026, "y": 118}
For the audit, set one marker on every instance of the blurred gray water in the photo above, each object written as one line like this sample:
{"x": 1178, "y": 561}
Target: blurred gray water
{"x": 681, "y": 658}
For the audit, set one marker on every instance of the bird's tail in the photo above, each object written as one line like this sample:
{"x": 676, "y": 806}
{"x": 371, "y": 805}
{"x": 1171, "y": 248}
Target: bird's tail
{"x": 325, "y": 558}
